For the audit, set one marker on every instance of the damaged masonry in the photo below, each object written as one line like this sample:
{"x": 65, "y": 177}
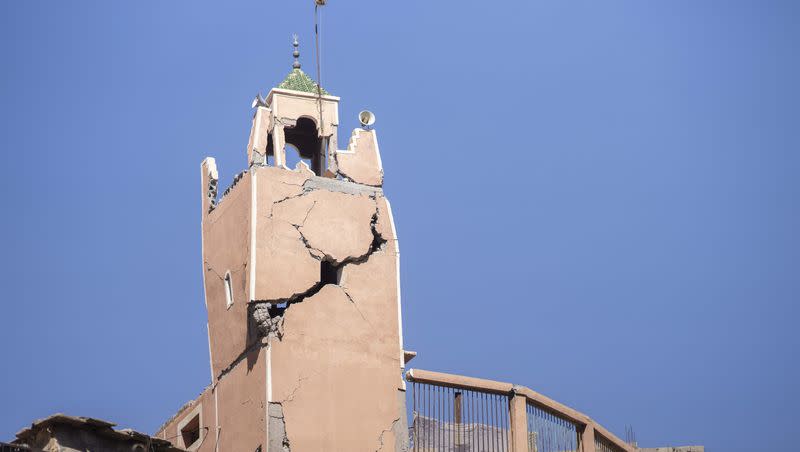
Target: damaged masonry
{"x": 334, "y": 255}
{"x": 301, "y": 282}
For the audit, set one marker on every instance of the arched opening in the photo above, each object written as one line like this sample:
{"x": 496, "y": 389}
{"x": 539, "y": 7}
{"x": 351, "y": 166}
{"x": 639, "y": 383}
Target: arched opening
{"x": 269, "y": 159}
{"x": 305, "y": 139}
{"x": 293, "y": 157}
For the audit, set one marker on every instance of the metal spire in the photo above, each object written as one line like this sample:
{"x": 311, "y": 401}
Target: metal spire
{"x": 296, "y": 53}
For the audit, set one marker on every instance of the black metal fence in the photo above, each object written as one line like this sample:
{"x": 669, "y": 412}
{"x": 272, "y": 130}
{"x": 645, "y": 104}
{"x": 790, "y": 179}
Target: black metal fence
{"x": 458, "y": 420}
{"x": 548, "y": 432}
{"x": 603, "y": 445}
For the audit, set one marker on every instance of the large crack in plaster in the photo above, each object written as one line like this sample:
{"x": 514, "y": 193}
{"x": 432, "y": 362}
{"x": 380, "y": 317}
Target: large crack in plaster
{"x": 385, "y": 431}
{"x": 267, "y": 315}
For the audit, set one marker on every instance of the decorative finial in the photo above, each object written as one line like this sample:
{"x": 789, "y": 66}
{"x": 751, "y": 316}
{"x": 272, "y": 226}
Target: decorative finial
{"x": 296, "y": 53}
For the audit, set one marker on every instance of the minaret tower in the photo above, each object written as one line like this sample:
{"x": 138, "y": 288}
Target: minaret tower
{"x": 301, "y": 275}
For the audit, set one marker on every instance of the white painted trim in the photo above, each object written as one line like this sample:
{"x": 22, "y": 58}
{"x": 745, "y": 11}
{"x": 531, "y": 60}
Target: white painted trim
{"x": 211, "y": 165}
{"x": 377, "y": 150}
{"x": 397, "y": 276}
{"x": 204, "y": 193}
{"x": 210, "y": 356}
{"x": 253, "y": 224}
{"x": 256, "y": 135}
{"x": 293, "y": 93}
{"x": 216, "y": 418}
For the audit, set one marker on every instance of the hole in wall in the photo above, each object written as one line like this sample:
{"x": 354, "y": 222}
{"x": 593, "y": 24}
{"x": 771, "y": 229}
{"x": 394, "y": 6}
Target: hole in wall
{"x": 329, "y": 273}
{"x": 304, "y": 138}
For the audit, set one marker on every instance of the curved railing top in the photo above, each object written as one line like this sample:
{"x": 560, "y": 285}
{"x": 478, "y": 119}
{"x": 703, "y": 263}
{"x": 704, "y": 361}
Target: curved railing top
{"x": 545, "y": 403}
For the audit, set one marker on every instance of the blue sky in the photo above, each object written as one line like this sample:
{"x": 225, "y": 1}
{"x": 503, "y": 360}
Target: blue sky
{"x": 597, "y": 200}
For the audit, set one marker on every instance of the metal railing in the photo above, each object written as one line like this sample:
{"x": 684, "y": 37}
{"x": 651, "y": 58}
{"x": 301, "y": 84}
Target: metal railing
{"x": 603, "y": 445}
{"x": 547, "y": 432}
{"x": 455, "y": 419}
{"x": 454, "y": 413}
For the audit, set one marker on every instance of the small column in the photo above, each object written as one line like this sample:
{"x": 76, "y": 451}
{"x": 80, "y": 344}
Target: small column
{"x": 279, "y": 144}
{"x": 517, "y": 405}
{"x": 587, "y": 438}
{"x": 458, "y": 411}
{"x": 257, "y": 145}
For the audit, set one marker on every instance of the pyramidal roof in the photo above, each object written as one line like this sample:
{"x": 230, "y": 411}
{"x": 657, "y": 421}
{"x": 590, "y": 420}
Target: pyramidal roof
{"x": 298, "y": 80}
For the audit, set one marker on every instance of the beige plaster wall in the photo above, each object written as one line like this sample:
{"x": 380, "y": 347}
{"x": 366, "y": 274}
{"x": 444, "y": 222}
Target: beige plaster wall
{"x": 292, "y": 105}
{"x": 361, "y": 161}
{"x": 283, "y": 266}
{"x": 226, "y": 247}
{"x": 242, "y": 405}
{"x": 336, "y": 371}
{"x": 327, "y": 373}
{"x": 236, "y": 407}
{"x": 170, "y": 432}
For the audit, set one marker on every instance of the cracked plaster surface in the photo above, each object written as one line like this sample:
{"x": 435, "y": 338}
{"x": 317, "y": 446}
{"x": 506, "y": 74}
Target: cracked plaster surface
{"x": 336, "y": 227}
{"x": 340, "y": 358}
{"x": 339, "y": 340}
{"x": 361, "y": 161}
{"x": 299, "y": 225}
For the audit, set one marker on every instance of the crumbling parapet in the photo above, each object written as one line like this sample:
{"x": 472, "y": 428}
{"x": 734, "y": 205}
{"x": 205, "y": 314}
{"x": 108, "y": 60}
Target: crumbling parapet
{"x": 209, "y": 182}
{"x": 259, "y": 135}
{"x": 361, "y": 161}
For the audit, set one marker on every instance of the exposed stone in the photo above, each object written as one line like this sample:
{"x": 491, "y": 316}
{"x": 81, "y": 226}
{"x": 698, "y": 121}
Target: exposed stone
{"x": 210, "y": 177}
{"x": 266, "y": 324}
{"x": 278, "y": 440}
{"x": 341, "y": 186}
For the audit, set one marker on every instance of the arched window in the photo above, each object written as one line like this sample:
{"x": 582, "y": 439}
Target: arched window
{"x": 228, "y": 290}
{"x": 305, "y": 140}
{"x": 293, "y": 157}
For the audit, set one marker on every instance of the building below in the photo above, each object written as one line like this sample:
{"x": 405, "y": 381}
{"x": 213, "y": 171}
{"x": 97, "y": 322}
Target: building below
{"x": 61, "y": 433}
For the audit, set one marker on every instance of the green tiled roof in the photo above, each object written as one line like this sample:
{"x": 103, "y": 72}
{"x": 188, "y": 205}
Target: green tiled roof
{"x": 298, "y": 80}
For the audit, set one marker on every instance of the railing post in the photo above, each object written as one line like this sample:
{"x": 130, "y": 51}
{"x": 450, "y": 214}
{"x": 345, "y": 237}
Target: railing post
{"x": 457, "y": 414}
{"x": 517, "y": 404}
{"x": 587, "y": 438}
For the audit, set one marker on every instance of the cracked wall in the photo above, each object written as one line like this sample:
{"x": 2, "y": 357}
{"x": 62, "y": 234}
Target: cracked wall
{"x": 340, "y": 350}
{"x": 361, "y": 161}
{"x": 226, "y": 248}
{"x": 305, "y": 337}
{"x": 314, "y": 327}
